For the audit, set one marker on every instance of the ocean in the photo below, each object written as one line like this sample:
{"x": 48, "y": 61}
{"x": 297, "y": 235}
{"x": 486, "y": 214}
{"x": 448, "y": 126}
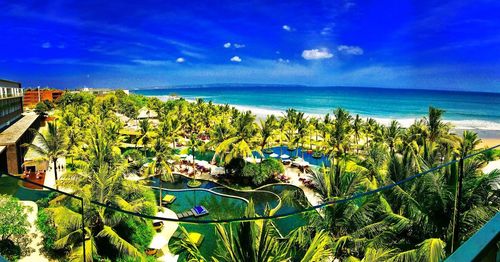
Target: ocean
{"x": 465, "y": 110}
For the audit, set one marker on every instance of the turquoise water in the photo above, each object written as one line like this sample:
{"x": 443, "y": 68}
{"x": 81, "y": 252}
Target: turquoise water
{"x": 10, "y": 186}
{"x": 231, "y": 205}
{"x": 478, "y": 109}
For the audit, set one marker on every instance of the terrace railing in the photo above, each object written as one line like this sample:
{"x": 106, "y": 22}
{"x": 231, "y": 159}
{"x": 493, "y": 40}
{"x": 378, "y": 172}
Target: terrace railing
{"x": 474, "y": 250}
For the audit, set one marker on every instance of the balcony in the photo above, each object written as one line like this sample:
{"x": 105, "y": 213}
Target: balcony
{"x": 7, "y": 92}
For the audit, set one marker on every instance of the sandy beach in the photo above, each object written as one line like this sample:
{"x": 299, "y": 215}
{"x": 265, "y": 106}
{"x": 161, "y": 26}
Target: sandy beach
{"x": 489, "y": 132}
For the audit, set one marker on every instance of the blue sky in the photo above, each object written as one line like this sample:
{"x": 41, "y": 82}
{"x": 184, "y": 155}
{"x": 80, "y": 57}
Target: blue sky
{"x": 136, "y": 44}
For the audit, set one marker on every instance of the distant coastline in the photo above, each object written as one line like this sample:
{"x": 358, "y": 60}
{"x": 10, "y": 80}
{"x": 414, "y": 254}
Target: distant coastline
{"x": 465, "y": 111}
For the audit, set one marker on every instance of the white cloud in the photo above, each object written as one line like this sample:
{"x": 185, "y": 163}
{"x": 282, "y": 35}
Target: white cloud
{"x": 236, "y": 59}
{"x": 151, "y": 62}
{"x": 238, "y": 45}
{"x": 46, "y": 45}
{"x": 287, "y": 28}
{"x": 350, "y": 50}
{"x": 281, "y": 60}
{"x": 315, "y": 54}
{"x": 227, "y": 45}
{"x": 180, "y": 60}
{"x": 326, "y": 30}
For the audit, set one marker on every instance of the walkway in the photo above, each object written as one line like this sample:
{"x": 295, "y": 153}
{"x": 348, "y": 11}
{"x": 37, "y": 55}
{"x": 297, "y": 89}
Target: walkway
{"x": 36, "y": 237}
{"x": 50, "y": 180}
{"x": 294, "y": 174}
{"x": 169, "y": 228}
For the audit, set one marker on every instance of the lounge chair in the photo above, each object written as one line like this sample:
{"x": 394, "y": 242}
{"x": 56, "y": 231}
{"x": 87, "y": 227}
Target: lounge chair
{"x": 196, "y": 211}
{"x": 195, "y": 238}
{"x": 199, "y": 211}
{"x": 158, "y": 225}
{"x": 151, "y": 251}
{"x": 168, "y": 199}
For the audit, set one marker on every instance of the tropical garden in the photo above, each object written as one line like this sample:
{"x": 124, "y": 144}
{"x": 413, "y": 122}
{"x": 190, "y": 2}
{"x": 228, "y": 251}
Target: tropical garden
{"x": 412, "y": 221}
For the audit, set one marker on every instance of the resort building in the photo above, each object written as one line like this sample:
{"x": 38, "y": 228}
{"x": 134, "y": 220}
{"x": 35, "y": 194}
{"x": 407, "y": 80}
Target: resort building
{"x": 34, "y": 96}
{"x": 11, "y": 102}
{"x": 14, "y": 127}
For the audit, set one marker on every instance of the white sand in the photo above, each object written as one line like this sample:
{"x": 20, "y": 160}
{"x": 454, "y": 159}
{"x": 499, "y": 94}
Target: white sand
{"x": 262, "y": 112}
{"x": 491, "y": 166}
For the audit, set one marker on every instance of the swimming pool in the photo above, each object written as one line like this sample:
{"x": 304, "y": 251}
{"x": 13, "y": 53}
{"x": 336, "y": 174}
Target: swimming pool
{"x": 323, "y": 160}
{"x": 14, "y": 187}
{"x": 224, "y": 203}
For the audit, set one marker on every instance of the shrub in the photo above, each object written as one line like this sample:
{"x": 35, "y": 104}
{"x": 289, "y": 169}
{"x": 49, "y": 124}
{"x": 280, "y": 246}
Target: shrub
{"x": 263, "y": 172}
{"x": 45, "y": 224}
{"x": 140, "y": 233}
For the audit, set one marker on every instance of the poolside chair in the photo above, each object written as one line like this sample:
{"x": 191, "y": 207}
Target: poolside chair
{"x": 168, "y": 199}
{"x": 199, "y": 211}
{"x": 158, "y": 225}
{"x": 195, "y": 238}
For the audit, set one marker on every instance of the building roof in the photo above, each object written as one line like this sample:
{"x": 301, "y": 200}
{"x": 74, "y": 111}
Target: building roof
{"x": 10, "y": 135}
{"x": 18, "y": 85}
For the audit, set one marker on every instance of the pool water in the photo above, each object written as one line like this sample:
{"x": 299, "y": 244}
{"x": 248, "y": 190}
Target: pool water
{"x": 300, "y": 153}
{"x": 11, "y": 186}
{"x": 225, "y": 203}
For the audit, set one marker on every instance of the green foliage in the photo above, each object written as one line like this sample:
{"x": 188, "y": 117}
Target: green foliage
{"x": 262, "y": 172}
{"x": 10, "y": 250}
{"x": 13, "y": 217}
{"x": 137, "y": 231}
{"x": 42, "y": 108}
{"x": 46, "y": 226}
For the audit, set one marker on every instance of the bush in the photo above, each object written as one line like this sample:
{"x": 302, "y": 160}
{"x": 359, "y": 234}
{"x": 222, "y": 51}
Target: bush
{"x": 10, "y": 250}
{"x": 140, "y": 233}
{"x": 45, "y": 224}
{"x": 263, "y": 172}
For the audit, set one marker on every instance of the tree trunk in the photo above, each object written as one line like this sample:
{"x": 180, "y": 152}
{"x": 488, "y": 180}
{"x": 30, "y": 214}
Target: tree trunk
{"x": 161, "y": 195}
{"x": 55, "y": 171}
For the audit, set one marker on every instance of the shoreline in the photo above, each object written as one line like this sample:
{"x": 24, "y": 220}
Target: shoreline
{"x": 489, "y": 132}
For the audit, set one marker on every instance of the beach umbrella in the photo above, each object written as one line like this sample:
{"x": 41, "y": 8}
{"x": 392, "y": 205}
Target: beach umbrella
{"x": 217, "y": 171}
{"x": 274, "y": 155}
{"x": 284, "y": 156}
{"x": 189, "y": 158}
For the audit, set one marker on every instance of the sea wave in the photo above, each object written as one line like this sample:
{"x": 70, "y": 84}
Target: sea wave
{"x": 468, "y": 124}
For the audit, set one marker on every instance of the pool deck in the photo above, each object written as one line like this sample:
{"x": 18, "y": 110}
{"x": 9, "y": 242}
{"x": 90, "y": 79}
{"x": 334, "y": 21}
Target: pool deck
{"x": 168, "y": 230}
{"x": 294, "y": 174}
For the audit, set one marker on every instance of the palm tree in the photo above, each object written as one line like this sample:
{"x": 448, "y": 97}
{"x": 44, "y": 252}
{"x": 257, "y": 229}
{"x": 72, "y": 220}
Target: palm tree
{"x": 256, "y": 241}
{"x": 357, "y": 129}
{"x": 107, "y": 185}
{"x": 240, "y": 144}
{"x": 266, "y": 130}
{"x": 393, "y": 135}
{"x": 219, "y": 133}
{"x": 160, "y": 166}
{"x": 340, "y": 135}
{"x": 49, "y": 146}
